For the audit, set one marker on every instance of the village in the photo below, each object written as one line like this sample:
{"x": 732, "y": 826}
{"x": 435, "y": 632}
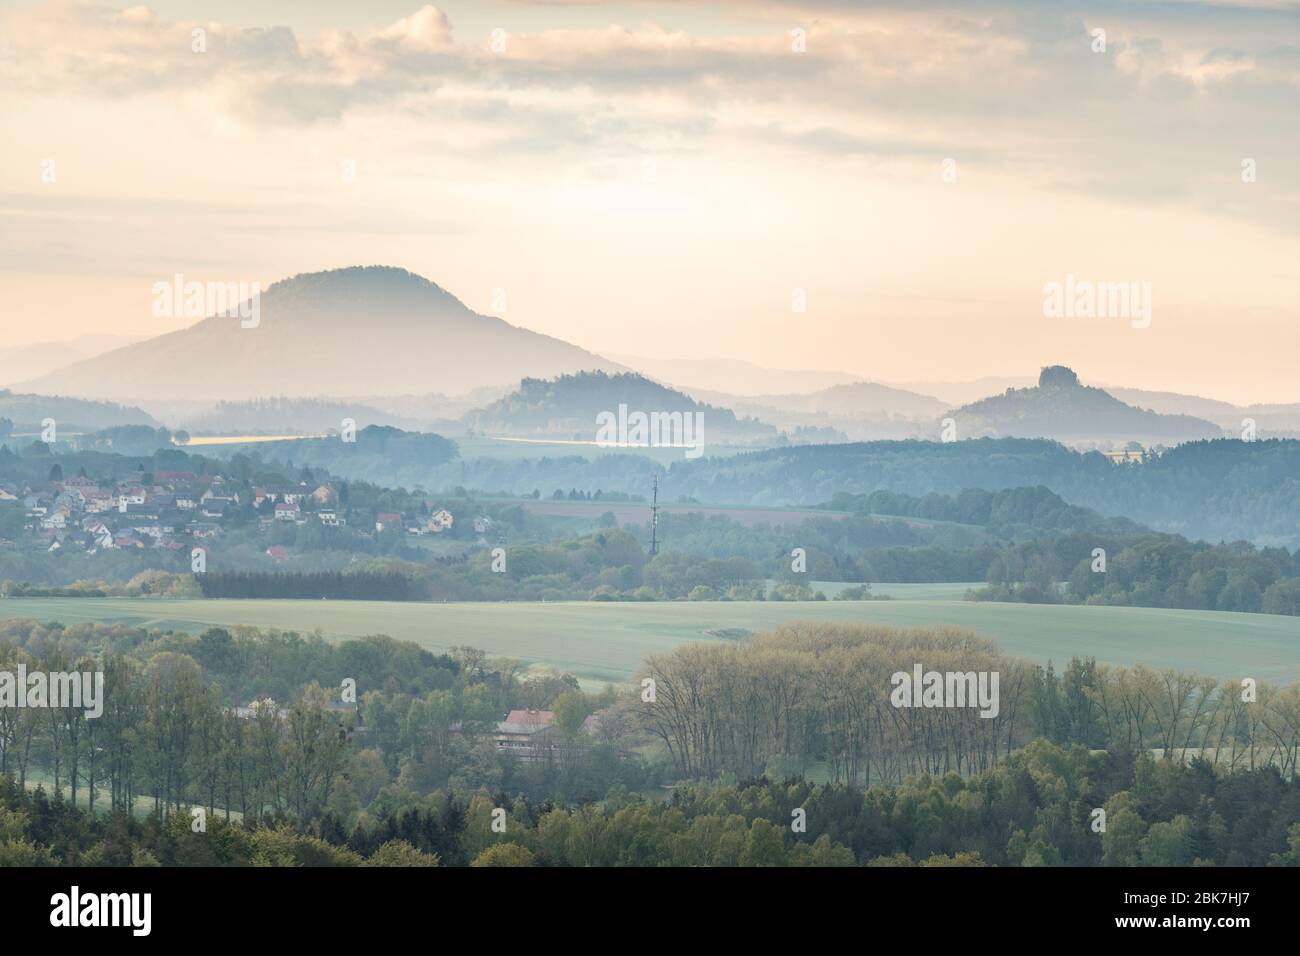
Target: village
{"x": 176, "y": 510}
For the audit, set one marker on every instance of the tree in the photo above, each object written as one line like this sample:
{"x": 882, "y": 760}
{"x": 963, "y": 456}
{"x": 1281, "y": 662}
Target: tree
{"x": 1168, "y": 843}
{"x": 504, "y": 854}
{"x": 1124, "y": 831}
{"x": 570, "y": 710}
{"x": 764, "y": 845}
{"x": 401, "y": 853}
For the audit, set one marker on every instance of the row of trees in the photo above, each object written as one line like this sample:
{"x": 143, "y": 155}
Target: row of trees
{"x": 821, "y": 694}
{"x": 810, "y": 693}
{"x": 336, "y": 585}
{"x": 166, "y": 738}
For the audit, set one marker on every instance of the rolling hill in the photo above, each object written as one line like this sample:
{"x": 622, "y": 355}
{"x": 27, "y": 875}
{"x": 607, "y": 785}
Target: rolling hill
{"x": 734, "y": 376}
{"x": 853, "y": 411}
{"x": 18, "y": 362}
{"x": 1272, "y": 420}
{"x": 1221, "y": 490}
{"x": 26, "y": 412}
{"x": 287, "y": 416}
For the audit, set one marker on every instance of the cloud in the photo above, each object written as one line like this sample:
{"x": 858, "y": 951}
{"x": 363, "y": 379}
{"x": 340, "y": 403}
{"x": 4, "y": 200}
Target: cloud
{"x": 1182, "y": 92}
{"x": 427, "y": 29}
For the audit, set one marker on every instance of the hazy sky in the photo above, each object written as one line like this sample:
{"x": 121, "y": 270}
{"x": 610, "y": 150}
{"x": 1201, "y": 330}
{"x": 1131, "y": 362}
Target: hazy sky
{"x": 661, "y": 178}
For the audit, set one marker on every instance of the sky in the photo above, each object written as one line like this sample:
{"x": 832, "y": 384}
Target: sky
{"x": 879, "y": 188}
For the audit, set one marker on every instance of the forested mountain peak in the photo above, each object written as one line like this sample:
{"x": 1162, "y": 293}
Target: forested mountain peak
{"x": 1063, "y": 408}
{"x": 573, "y": 402}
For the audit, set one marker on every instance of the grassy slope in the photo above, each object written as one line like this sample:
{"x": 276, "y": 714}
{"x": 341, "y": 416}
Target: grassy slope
{"x": 599, "y": 641}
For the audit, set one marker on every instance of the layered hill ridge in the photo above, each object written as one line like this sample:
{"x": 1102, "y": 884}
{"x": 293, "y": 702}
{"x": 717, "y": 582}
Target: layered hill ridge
{"x": 373, "y": 330}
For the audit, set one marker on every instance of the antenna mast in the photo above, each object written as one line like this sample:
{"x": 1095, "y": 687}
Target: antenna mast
{"x": 654, "y": 518}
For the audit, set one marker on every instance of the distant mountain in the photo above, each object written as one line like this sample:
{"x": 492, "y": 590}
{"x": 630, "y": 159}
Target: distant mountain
{"x": 1280, "y": 420}
{"x": 856, "y": 411}
{"x": 1060, "y": 407}
{"x": 27, "y": 412}
{"x": 357, "y": 331}
{"x": 1173, "y": 403}
{"x": 18, "y": 362}
{"x": 961, "y": 393}
{"x": 289, "y": 416}
{"x": 849, "y": 400}
{"x": 569, "y": 407}
{"x": 435, "y": 407}
{"x": 734, "y": 376}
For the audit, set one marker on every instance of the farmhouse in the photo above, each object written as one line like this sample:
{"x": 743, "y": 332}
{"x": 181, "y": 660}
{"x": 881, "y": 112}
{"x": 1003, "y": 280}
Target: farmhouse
{"x": 525, "y": 733}
{"x": 1120, "y": 457}
{"x": 387, "y": 519}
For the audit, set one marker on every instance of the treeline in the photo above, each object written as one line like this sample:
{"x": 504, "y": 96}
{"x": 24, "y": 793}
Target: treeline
{"x": 334, "y": 585}
{"x": 255, "y": 725}
{"x": 15, "y": 589}
{"x": 26, "y": 412}
{"x": 608, "y": 565}
{"x": 810, "y": 694}
{"x": 1008, "y": 512}
{"x": 39, "y": 830}
{"x": 1213, "y": 490}
{"x": 1149, "y": 571}
{"x": 1036, "y": 808}
{"x": 244, "y": 662}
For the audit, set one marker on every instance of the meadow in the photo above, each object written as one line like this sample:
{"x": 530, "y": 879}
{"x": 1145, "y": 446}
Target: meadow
{"x": 600, "y": 642}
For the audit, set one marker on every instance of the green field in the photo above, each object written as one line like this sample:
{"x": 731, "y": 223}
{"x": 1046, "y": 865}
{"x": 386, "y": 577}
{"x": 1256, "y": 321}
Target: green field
{"x": 606, "y": 641}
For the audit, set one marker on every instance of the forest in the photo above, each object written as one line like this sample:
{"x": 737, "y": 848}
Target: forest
{"x": 258, "y": 726}
{"x": 1036, "y": 808}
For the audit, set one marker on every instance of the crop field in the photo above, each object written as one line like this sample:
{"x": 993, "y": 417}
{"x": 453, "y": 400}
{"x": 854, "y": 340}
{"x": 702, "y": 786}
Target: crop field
{"x": 599, "y": 641}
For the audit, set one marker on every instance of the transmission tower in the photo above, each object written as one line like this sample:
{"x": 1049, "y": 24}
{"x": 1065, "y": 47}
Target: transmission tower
{"x": 654, "y": 518}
